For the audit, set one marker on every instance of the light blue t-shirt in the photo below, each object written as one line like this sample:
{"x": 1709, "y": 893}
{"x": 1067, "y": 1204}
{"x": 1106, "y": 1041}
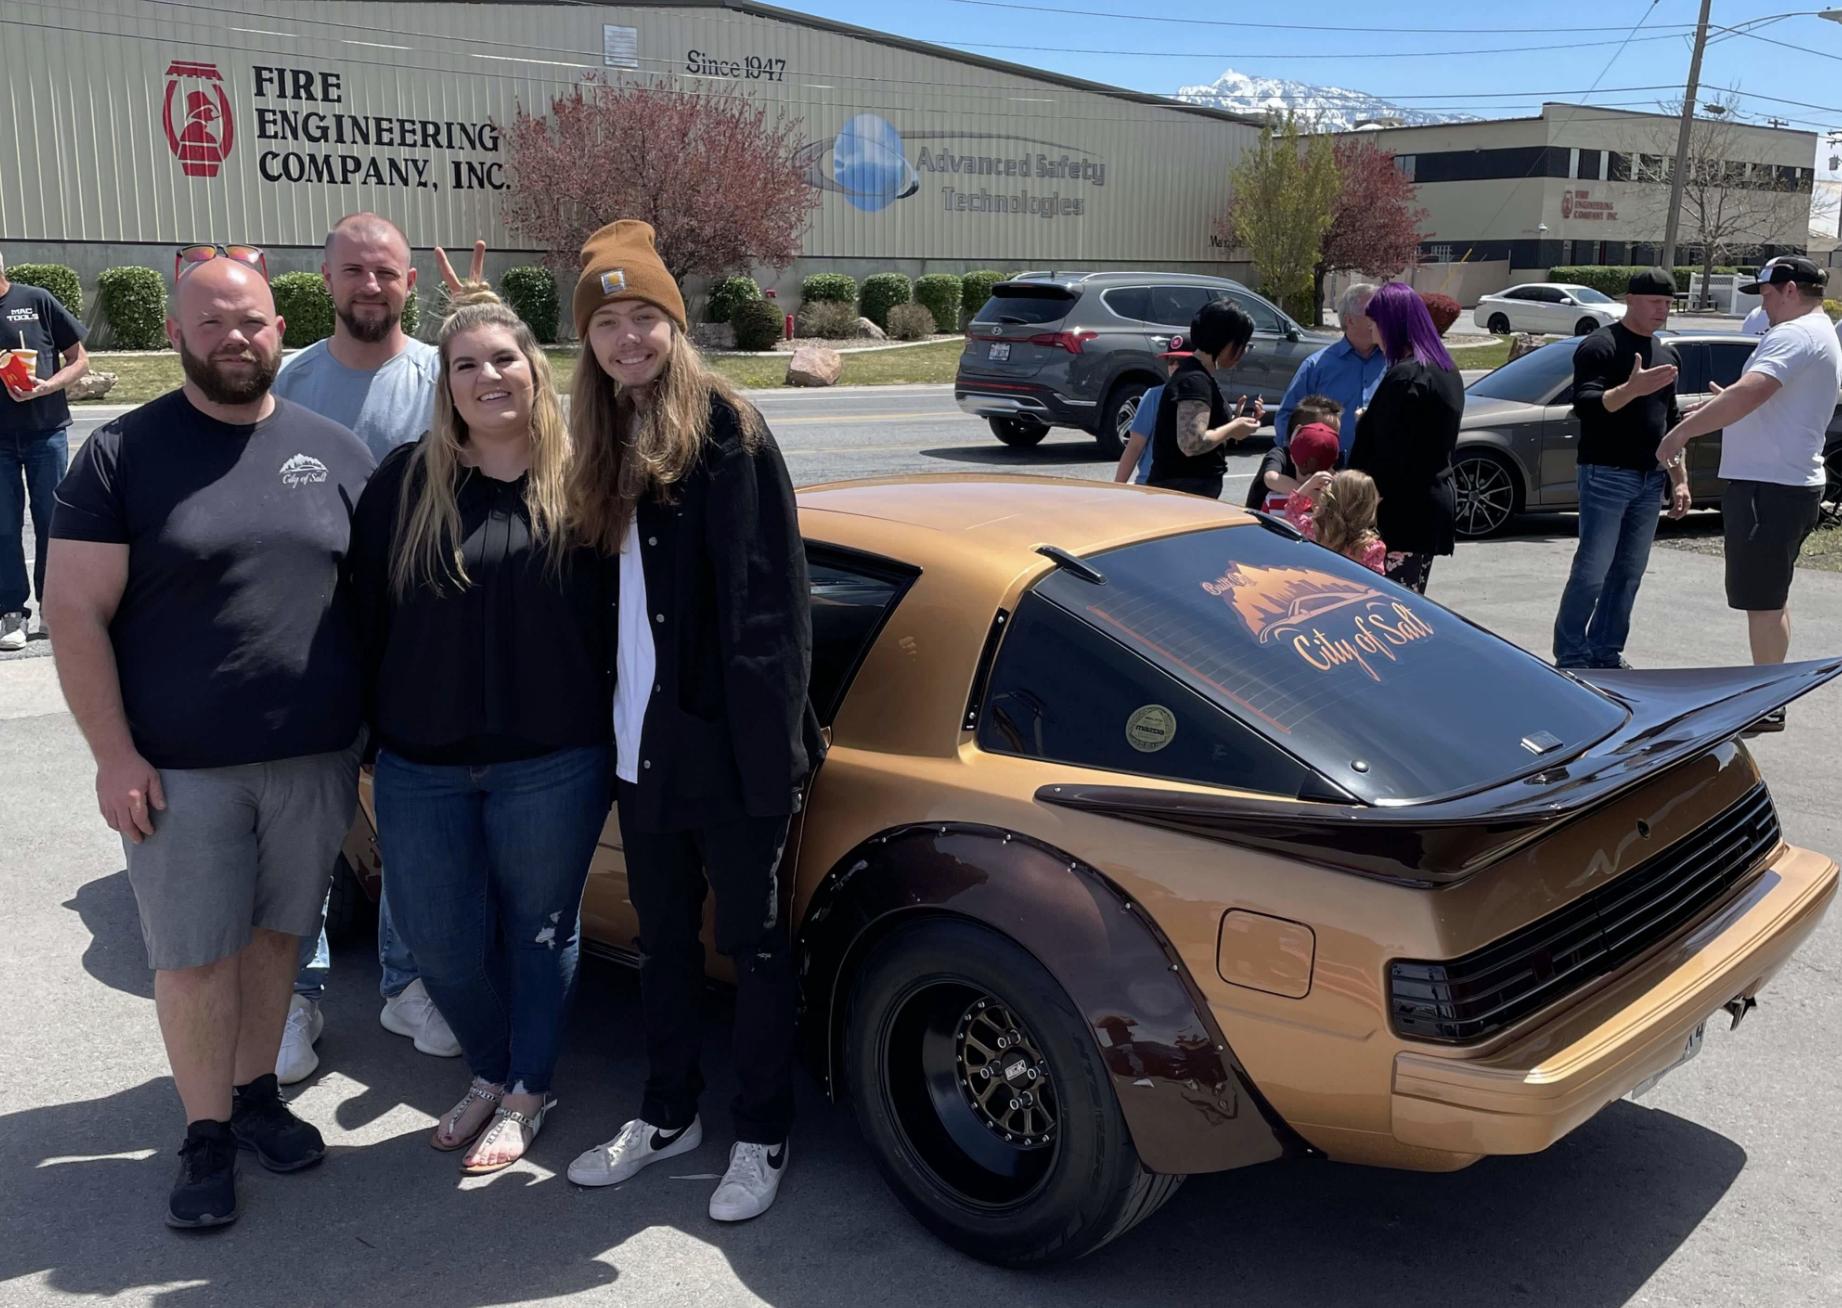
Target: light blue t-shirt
{"x": 386, "y": 408}
{"x": 1144, "y": 423}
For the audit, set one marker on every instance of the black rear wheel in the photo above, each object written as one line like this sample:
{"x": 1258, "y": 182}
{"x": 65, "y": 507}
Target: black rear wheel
{"x": 981, "y": 1091}
{"x": 1115, "y": 422}
{"x": 1498, "y": 325}
{"x": 1018, "y": 433}
{"x": 1586, "y": 327}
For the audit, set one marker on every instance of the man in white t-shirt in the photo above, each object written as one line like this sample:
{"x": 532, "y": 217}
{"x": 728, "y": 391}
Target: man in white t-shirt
{"x": 1757, "y": 323}
{"x": 1775, "y": 419}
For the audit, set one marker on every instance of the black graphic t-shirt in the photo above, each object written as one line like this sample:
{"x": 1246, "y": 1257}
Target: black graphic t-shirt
{"x": 234, "y": 639}
{"x": 1190, "y": 381}
{"x": 48, "y": 328}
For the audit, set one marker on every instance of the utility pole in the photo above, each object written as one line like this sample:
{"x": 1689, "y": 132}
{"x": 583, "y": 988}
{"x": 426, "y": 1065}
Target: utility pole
{"x": 1676, "y": 174}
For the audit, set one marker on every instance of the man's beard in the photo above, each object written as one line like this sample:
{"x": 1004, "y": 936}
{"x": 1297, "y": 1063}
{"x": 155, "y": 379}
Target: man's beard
{"x": 369, "y": 330}
{"x": 222, "y": 389}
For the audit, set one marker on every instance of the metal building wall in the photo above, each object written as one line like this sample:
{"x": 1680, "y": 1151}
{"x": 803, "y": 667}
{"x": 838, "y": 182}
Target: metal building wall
{"x": 93, "y": 159}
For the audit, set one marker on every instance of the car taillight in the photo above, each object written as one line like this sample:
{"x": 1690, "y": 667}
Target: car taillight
{"x": 1070, "y": 341}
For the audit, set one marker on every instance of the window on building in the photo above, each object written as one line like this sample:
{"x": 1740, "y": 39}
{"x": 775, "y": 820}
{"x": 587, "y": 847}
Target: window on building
{"x": 1405, "y": 162}
{"x": 1619, "y": 168}
{"x": 1592, "y": 165}
{"x": 1649, "y": 168}
{"x": 1617, "y": 252}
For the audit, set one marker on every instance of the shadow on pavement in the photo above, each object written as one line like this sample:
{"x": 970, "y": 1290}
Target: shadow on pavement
{"x": 115, "y": 954}
{"x": 386, "y": 1218}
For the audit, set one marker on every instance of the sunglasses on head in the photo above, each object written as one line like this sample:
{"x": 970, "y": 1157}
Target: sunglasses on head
{"x": 189, "y": 257}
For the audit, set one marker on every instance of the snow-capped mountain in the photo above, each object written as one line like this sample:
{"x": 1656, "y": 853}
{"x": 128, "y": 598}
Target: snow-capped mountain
{"x": 1326, "y": 108}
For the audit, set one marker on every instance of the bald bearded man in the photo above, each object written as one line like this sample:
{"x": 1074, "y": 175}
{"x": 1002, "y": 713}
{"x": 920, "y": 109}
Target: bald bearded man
{"x": 205, "y": 652}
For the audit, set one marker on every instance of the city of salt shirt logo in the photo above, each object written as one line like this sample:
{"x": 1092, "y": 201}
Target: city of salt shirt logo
{"x": 1330, "y": 622}
{"x": 303, "y": 470}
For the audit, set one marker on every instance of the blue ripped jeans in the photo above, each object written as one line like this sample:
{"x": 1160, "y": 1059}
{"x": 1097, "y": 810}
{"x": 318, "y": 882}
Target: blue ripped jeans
{"x": 1619, "y": 509}
{"x": 485, "y": 869}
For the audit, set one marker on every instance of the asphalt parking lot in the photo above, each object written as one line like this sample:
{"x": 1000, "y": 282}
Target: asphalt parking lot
{"x": 1720, "y": 1188}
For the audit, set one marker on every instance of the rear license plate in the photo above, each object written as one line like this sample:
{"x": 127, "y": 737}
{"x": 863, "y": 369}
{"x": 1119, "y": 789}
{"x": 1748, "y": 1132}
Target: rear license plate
{"x": 1689, "y": 1050}
{"x": 999, "y": 352}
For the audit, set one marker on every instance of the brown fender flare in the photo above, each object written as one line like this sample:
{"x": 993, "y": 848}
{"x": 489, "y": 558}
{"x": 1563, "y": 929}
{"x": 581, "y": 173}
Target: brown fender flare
{"x": 1189, "y": 1104}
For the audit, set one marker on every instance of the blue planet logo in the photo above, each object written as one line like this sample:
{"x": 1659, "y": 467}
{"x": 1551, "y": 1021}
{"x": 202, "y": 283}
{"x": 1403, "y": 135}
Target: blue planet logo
{"x": 868, "y": 165}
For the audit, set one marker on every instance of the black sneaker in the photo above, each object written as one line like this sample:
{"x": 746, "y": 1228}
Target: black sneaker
{"x": 206, "y": 1192}
{"x": 261, "y": 1122}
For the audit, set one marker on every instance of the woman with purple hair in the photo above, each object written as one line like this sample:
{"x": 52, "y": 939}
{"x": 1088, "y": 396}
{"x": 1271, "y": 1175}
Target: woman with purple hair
{"x": 1405, "y": 436}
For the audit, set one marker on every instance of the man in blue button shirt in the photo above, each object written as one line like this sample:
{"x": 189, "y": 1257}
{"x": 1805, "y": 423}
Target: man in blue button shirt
{"x": 1347, "y": 371}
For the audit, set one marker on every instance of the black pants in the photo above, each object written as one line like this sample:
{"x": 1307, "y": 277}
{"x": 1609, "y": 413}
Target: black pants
{"x": 666, "y": 876}
{"x": 1207, "y": 487}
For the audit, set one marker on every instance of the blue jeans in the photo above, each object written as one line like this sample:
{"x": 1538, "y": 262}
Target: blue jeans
{"x": 1618, "y": 520}
{"x": 397, "y": 963}
{"x": 31, "y": 466}
{"x": 486, "y": 869}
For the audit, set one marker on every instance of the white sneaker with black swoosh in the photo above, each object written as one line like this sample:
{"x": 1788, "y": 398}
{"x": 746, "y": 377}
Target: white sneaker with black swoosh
{"x": 638, "y": 1144}
{"x": 748, "y": 1187}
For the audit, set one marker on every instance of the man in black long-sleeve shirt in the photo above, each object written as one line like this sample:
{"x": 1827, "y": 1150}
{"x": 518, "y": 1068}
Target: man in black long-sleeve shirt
{"x": 1624, "y": 394}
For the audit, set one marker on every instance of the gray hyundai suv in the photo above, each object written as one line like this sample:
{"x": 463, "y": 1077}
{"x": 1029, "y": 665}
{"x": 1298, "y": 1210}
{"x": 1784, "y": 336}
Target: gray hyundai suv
{"x": 1075, "y": 349}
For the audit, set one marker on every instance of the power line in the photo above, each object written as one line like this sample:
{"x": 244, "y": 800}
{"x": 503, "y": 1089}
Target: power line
{"x": 1278, "y": 27}
{"x": 1316, "y": 54}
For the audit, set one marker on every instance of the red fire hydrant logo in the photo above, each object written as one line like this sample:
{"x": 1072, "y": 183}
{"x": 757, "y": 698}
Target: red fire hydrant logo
{"x": 199, "y": 132}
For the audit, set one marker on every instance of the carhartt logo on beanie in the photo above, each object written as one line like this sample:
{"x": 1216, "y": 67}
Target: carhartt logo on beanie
{"x": 620, "y": 262}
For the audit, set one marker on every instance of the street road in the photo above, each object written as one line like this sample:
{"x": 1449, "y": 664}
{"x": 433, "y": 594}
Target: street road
{"x": 1719, "y": 1189}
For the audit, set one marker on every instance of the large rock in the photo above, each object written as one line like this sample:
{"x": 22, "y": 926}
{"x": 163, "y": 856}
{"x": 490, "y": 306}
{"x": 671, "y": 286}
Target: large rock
{"x": 91, "y": 385}
{"x": 1522, "y": 343}
{"x": 867, "y": 328}
{"x": 814, "y": 365}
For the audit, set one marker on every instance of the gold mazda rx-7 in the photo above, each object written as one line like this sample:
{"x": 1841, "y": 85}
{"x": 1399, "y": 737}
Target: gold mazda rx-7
{"x": 1154, "y": 840}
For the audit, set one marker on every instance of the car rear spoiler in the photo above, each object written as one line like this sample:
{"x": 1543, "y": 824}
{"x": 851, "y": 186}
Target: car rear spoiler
{"x": 1673, "y": 716}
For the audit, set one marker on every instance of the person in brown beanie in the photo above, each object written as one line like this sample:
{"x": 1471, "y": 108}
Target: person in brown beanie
{"x": 678, "y": 478}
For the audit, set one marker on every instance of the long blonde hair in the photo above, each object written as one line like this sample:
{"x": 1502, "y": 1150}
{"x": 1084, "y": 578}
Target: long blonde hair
{"x": 625, "y": 452}
{"x": 428, "y": 530}
{"x": 1344, "y": 518}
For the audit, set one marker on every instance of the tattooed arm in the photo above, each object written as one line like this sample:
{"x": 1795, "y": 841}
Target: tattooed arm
{"x": 1194, "y": 435}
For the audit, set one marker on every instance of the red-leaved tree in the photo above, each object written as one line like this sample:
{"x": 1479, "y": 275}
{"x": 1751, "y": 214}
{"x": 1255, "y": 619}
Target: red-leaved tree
{"x": 715, "y": 175}
{"x": 1375, "y": 226}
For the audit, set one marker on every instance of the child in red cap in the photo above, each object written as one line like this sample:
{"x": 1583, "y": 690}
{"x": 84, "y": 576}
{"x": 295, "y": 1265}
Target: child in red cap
{"x": 1314, "y": 449}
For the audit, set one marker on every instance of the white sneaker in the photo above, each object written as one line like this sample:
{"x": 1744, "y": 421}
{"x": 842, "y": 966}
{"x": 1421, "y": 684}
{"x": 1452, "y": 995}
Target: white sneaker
{"x": 638, "y": 1144}
{"x": 412, "y": 1013}
{"x": 748, "y": 1187}
{"x": 12, "y": 632}
{"x": 297, "y": 1059}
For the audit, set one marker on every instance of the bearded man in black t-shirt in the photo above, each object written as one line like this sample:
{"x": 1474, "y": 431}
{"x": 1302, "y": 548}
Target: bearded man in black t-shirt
{"x": 1624, "y": 394}
{"x": 205, "y": 649}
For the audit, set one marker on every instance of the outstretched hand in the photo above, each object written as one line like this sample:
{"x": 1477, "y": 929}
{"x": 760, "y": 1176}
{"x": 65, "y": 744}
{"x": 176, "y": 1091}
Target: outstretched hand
{"x": 1648, "y": 381}
{"x": 449, "y": 277}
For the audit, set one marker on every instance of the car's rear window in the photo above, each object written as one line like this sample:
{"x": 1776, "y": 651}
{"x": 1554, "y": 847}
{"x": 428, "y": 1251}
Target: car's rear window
{"x": 1021, "y": 302}
{"x": 1383, "y": 693}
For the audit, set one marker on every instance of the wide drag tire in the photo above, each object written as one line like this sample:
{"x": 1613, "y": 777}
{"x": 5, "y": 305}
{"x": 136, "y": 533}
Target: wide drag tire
{"x": 1114, "y": 425}
{"x": 1586, "y": 327}
{"x": 1488, "y": 493}
{"x": 1498, "y": 325}
{"x": 1046, "y": 1181}
{"x": 1018, "y": 433}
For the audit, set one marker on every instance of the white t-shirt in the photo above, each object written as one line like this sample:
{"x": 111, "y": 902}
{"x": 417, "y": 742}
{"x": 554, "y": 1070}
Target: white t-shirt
{"x": 635, "y": 659}
{"x": 1781, "y": 441}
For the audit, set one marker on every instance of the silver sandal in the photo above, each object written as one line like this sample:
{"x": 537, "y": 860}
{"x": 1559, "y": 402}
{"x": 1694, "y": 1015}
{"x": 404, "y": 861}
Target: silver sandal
{"x": 531, "y": 1122}
{"x": 480, "y": 1092}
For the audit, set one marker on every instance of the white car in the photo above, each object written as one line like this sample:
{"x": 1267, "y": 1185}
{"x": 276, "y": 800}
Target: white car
{"x": 1547, "y": 308}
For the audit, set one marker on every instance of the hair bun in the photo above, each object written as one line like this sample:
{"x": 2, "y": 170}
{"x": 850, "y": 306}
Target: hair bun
{"x": 471, "y": 293}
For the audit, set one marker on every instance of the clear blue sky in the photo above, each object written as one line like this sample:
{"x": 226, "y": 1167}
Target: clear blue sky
{"x": 1441, "y": 68}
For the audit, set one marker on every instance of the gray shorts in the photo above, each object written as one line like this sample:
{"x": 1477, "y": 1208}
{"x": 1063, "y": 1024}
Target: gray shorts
{"x": 239, "y": 848}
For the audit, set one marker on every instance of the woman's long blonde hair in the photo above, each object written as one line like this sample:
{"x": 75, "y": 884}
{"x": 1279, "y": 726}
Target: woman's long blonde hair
{"x": 428, "y": 530}
{"x": 624, "y": 452}
{"x": 1344, "y": 518}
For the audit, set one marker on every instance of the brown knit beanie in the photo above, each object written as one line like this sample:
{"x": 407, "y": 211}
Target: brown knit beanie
{"x": 619, "y": 262}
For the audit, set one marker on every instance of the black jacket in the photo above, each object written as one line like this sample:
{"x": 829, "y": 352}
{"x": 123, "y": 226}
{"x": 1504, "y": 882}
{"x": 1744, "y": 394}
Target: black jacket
{"x": 729, "y": 731}
{"x": 516, "y": 665}
{"x": 1405, "y": 441}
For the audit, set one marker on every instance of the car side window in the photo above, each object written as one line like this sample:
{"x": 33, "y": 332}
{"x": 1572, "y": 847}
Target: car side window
{"x": 1518, "y": 293}
{"x": 1266, "y": 321}
{"x": 1691, "y": 367}
{"x": 1063, "y": 692}
{"x": 1176, "y": 306}
{"x": 1546, "y": 294}
{"x": 1129, "y": 302}
{"x": 851, "y": 599}
{"x": 1728, "y": 363}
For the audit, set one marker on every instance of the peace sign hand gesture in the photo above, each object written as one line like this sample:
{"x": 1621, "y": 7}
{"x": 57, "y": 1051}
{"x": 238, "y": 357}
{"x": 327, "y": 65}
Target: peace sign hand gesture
{"x": 449, "y": 277}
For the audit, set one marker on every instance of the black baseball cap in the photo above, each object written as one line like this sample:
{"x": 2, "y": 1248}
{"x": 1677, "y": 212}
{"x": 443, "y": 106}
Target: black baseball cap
{"x": 1787, "y": 268}
{"x": 1651, "y": 281}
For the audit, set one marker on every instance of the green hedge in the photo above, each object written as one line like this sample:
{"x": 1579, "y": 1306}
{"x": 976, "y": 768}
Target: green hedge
{"x": 306, "y": 307}
{"x": 412, "y": 313}
{"x": 828, "y": 288}
{"x": 828, "y": 322}
{"x": 941, "y": 293}
{"x": 530, "y": 291}
{"x": 133, "y": 302}
{"x": 1611, "y": 279}
{"x": 727, "y": 294}
{"x": 975, "y": 289}
{"x": 62, "y": 282}
{"x": 882, "y": 293}
{"x": 758, "y": 323}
